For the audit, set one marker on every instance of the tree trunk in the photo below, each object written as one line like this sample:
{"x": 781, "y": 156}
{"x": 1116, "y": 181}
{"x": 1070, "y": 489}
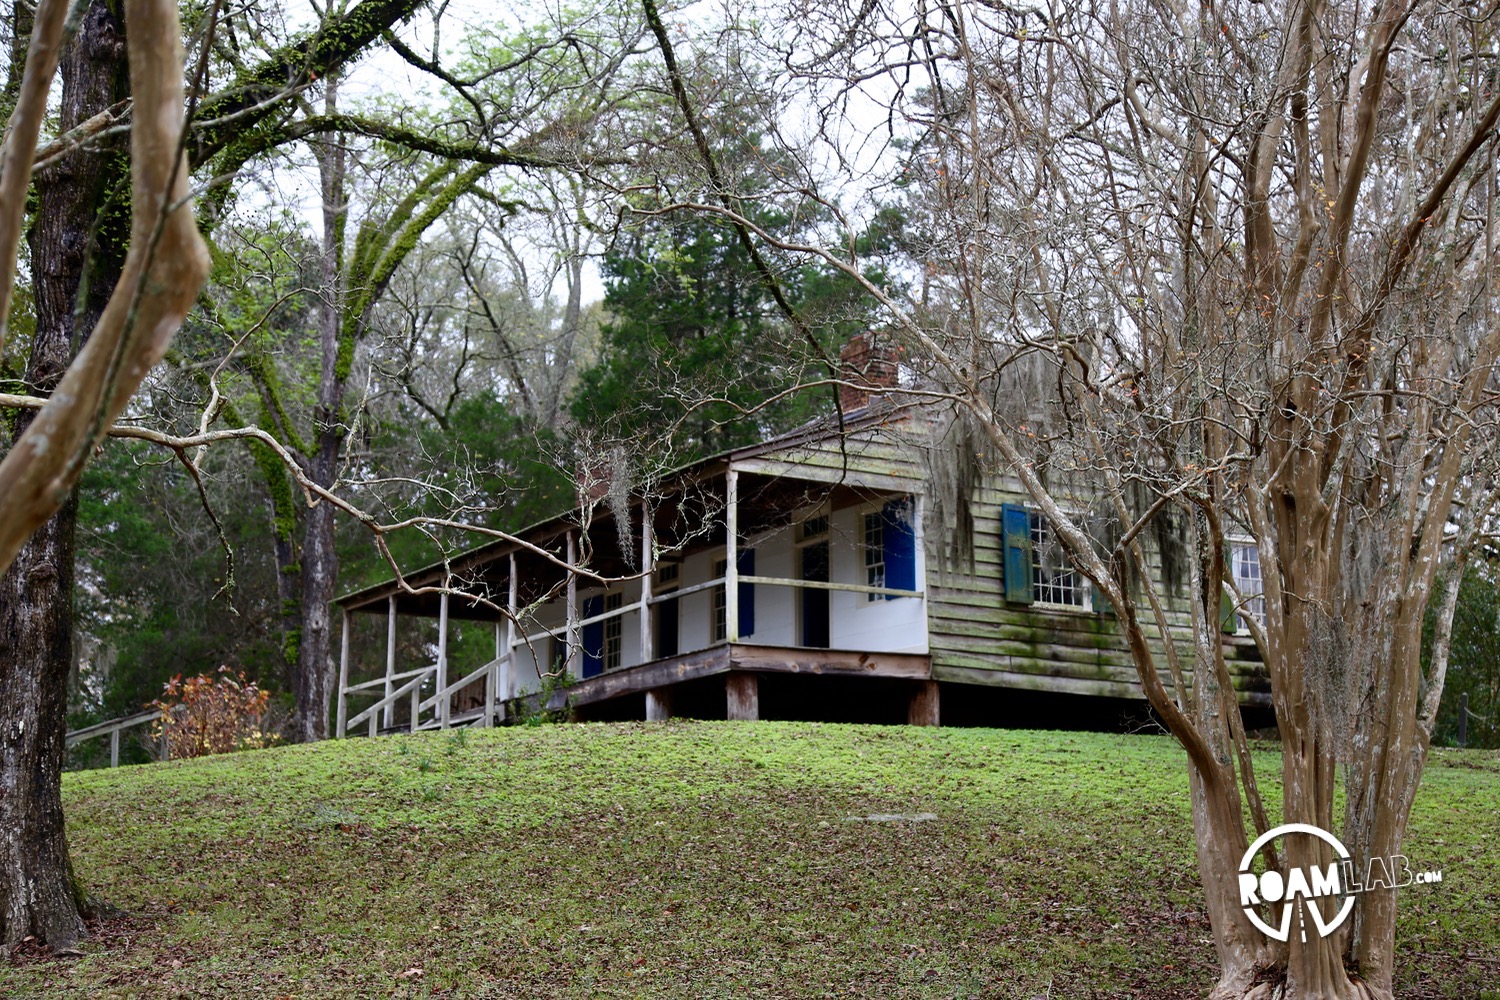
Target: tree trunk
{"x": 77, "y": 246}
{"x": 319, "y": 556}
{"x": 320, "y": 570}
{"x": 38, "y": 895}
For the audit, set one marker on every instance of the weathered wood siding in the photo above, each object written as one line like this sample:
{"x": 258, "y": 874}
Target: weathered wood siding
{"x": 974, "y": 635}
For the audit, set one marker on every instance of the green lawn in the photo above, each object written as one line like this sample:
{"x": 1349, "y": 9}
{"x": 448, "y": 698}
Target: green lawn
{"x": 700, "y": 860}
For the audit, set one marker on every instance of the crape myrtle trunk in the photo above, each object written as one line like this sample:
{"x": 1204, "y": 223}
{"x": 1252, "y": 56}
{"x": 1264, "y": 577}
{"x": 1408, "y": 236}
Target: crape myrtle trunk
{"x": 77, "y": 243}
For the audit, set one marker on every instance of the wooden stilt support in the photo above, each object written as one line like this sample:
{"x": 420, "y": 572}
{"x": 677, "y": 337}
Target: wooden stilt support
{"x": 742, "y": 697}
{"x": 925, "y": 707}
{"x": 658, "y": 704}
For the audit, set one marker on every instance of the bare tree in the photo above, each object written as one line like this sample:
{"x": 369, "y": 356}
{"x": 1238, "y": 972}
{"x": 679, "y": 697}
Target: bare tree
{"x": 1231, "y": 263}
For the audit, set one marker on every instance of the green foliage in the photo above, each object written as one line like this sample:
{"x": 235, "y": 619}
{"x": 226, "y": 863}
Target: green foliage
{"x": 504, "y": 471}
{"x": 707, "y": 860}
{"x": 151, "y": 570}
{"x": 1473, "y": 662}
{"x": 695, "y": 341}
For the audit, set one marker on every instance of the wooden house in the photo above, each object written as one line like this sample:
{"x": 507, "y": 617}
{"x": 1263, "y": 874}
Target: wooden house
{"x": 792, "y": 579}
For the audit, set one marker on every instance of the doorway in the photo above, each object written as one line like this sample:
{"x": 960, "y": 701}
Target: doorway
{"x": 814, "y": 566}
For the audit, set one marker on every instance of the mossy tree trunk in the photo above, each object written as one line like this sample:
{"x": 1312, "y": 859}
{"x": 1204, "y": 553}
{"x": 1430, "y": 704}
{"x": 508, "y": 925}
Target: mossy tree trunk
{"x": 77, "y": 243}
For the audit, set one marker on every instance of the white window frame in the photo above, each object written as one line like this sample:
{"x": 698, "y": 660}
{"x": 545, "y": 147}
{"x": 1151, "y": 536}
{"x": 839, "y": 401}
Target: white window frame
{"x": 719, "y": 606}
{"x": 1252, "y": 602}
{"x": 807, "y": 533}
{"x": 874, "y": 569}
{"x": 613, "y": 653}
{"x": 1040, "y": 530}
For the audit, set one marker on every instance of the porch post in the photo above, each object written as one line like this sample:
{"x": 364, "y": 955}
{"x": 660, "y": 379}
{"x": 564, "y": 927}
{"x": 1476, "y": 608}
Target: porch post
{"x": 343, "y": 708}
{"x": 731, "y": 554}
{"x": 648, "y": 566}
{"x": 442, "y": 660}
{"x": 572, "y": 632}
{"x": 492, "y": 680}
{"x": 507, "y": 669}
{"x": 390, "y": 661}
{"x": 487, "y": 718}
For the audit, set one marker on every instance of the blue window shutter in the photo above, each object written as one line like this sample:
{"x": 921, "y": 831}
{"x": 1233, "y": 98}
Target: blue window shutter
{"x": 744, "y": 564}
{"x": 899, "y": 540}
{"x": 593, "y": 637}
{"x": 1015, "y": 531}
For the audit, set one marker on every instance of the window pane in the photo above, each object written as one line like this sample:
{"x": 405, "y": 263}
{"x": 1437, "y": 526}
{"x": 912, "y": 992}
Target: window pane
{"x": 1053, "y": 579}
{"x": 1245, "y": 559}
{"x": 720, "y": 606}
{"x": 874, "y": 546}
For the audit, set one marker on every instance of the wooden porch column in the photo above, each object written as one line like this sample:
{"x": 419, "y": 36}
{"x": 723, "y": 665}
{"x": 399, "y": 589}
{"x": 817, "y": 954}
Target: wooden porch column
{"x": 343, "y": 708}
{"x": 648, "y": 567}
{"x": 390, "y": 662}
{"x": 442, "y": 659}
{"x": 924, "y": 707}
{"x": 487, "y": 719}
{"x": 507, "y": 686}
{"x": 742, "y": 697}
{"x": 658, "y": 704}
{"x": 731, "y": 556}
{"x": 492, "y": 681}
{"x": 571, "y": 665}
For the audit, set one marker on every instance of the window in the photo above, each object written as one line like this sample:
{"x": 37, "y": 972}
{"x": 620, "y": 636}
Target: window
{"x": 1244, "y": 568}
{"x": 721, "y": 604}
{"x": 813, "y": 527}
{"x": 745, "y": 566}
{"x": 874, "y": 549}
{"x": 612, "y": 602}
{"x": 1053, "y": 578}
{"x": 1036, "y": 568}
{"x": 666, "y": 613}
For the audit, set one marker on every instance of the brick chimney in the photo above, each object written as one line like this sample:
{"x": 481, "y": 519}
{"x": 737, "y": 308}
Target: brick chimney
{"x": 596, "y": 470}
{"x": 868, "y": 362}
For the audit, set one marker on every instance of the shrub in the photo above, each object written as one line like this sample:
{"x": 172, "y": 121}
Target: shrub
{"x": 210, "y": 714}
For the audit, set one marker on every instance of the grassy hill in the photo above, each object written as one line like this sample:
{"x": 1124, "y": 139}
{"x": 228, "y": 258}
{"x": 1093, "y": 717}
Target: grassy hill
{"x": 700, "y": 860}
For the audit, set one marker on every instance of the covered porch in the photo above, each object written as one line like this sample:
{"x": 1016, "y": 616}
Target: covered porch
{"x": 732, "y": 571}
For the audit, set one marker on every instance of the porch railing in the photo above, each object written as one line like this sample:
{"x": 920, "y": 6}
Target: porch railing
{"x": 113, "y": 728}
{"x": 437, "y": 707}
{"x": 496, "y": 674}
